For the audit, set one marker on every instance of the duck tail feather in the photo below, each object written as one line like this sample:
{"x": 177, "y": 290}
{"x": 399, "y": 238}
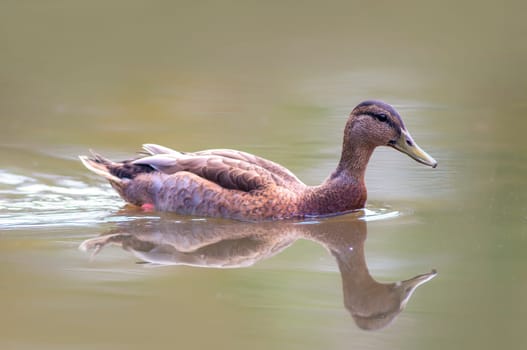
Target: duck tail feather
{"x": 100, "y": 166}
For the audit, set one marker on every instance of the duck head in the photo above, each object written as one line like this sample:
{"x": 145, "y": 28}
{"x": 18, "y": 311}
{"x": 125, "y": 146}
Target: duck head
{"x": 378, "y": 124}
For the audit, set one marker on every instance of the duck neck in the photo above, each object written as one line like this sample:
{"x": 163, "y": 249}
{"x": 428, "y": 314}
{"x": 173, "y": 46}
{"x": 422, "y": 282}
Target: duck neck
{"x": 344, "y": 189}
{"x": 354, "y": 158}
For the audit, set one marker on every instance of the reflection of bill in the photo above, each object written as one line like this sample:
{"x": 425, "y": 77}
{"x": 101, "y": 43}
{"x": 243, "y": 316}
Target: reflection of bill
{"x": 227, "y": 244}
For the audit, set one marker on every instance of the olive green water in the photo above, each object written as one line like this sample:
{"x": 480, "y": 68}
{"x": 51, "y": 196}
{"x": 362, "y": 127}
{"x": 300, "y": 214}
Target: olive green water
{"x": 276, "y": 79}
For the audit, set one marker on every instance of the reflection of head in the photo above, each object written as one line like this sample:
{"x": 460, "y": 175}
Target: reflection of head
{"x": 372, "y": 305}
{"x": 227, "y": 244}
{"x": 385, "y": 302}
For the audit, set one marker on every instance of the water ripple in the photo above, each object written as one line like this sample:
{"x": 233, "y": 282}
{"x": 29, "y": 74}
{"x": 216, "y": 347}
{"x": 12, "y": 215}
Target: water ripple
{"x": 376, "y": 214}
{"x": 45, "y": 200}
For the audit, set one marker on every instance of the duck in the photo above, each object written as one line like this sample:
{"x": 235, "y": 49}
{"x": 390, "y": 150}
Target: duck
{"x": 233, "y": 184}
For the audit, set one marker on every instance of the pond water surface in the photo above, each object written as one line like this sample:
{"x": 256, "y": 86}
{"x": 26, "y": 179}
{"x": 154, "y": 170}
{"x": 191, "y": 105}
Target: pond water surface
{"x": 278, "y": 80}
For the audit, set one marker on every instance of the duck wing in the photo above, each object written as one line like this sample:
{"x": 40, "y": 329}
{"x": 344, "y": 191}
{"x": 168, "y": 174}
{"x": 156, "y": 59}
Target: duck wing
{"x": 229, "y": 173}
{"x": 275, "y": 169}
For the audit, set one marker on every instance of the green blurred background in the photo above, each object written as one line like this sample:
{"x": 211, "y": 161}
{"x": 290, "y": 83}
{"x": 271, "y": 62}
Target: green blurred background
{"x": 275, "y": 78}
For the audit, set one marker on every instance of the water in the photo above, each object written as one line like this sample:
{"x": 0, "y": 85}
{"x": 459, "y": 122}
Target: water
{"x": 277, "y": 80}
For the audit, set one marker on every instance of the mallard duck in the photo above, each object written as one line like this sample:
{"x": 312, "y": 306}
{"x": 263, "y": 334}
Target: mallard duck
{"x": 237, "y": 185}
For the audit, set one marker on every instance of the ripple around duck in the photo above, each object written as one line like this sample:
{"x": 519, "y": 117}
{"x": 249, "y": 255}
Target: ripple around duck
{"x": 45, "y": 200}
{"x": 380, "y": 213}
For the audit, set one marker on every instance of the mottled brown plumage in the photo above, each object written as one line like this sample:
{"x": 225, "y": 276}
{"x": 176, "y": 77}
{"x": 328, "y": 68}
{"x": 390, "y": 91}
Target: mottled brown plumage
{"x": 234, "y": 184}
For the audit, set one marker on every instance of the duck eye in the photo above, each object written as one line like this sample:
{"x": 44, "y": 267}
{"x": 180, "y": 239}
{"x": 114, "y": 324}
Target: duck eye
{"x": 381, "y": 117}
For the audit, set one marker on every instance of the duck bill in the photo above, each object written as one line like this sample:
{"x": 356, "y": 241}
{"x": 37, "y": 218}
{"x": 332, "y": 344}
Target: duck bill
{"x": 406, "y": 145}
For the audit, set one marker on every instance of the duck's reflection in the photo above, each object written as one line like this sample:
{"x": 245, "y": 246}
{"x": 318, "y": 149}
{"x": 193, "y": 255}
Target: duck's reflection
{"x": 226, "y": 244}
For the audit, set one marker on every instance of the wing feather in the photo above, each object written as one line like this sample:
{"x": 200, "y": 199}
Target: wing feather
{"x": 152, "y": 149}
{"x": 277, "y": 171}
{"x": 228, "y": 173}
